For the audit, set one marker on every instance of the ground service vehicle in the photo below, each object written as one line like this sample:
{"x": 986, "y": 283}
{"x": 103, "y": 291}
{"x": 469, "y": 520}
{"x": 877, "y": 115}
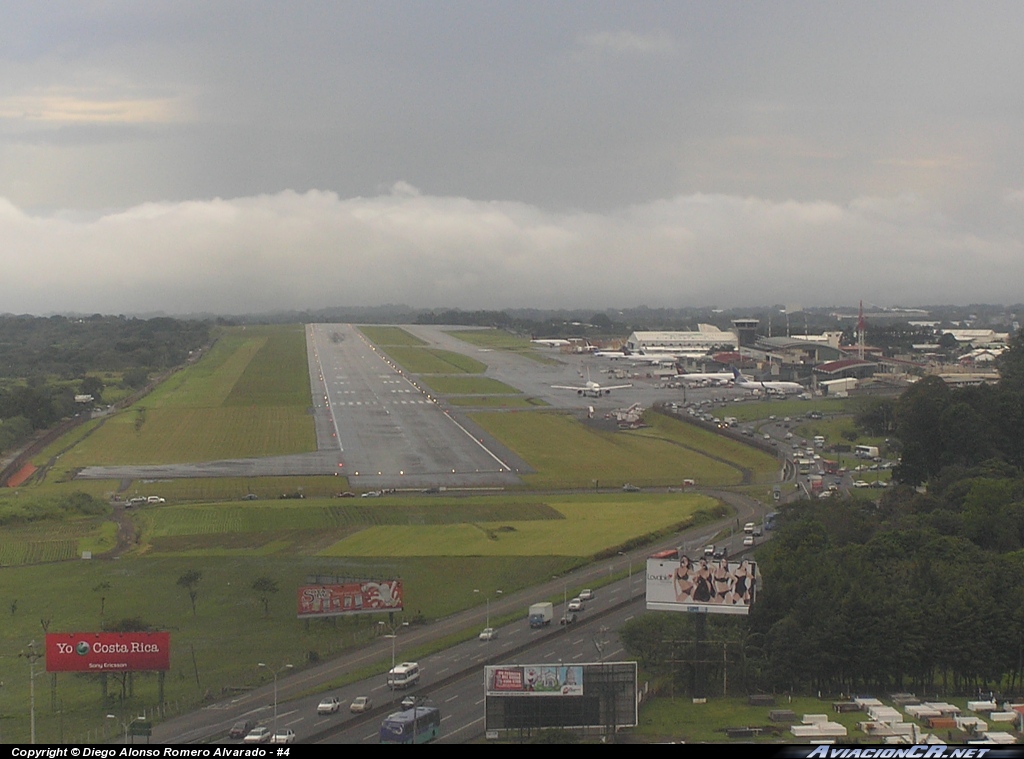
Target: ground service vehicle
{"x": 404, "y": 675}
{"x": 417, "y": 725}
{"x": 541, "y": 614}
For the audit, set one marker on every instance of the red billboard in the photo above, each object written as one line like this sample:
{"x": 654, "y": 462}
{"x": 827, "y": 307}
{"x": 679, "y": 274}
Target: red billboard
{"x": 108, "y": 652}
{"x": 363, "y": 597}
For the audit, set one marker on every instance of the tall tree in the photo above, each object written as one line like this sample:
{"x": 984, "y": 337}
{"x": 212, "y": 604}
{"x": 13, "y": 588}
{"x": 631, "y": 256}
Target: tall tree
{"x": 190, "y": 581}
{"x": 265, "y": 587}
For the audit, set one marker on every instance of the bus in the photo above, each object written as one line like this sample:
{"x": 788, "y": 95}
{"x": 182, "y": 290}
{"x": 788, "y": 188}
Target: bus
{"x": 404, "y": 675}
{"x": 420, "y": 724}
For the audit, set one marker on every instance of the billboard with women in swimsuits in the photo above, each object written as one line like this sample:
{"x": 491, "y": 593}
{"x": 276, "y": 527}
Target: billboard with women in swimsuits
{"x": 716, "y": 586}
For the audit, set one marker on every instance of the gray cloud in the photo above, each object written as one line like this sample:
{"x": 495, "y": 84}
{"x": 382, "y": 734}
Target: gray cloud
{"x": 292, "y": 250}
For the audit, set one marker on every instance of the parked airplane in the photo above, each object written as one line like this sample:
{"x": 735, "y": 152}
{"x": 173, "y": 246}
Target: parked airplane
{"x": 591, "y": 389}
{"x": 706, "y": 378}
{"x": 779, "y": 388}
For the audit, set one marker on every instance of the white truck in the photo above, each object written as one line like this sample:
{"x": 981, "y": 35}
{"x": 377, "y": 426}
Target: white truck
{"x": 541, "y": 614}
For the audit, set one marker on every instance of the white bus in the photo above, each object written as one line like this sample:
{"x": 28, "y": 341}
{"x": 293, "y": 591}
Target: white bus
{"x": 404, "y": 675}
{"x": 865, "y": 451}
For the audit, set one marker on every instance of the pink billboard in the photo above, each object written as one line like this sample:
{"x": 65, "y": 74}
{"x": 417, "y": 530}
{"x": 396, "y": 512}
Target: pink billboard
{"x": 364, "y": 597}
{"x": 108, "y": 652}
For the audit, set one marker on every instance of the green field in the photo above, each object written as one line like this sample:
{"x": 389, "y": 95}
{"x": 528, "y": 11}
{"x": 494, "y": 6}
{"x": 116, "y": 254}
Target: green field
{"x": 249, "y": 396}
{"x": 434, "y": 361}
{"x": 497, "y": 339}
{"x": 221, "y": 643}
{"x": 566, "y": 453}
{"x": 388, "y": 336}
{"x": 584, "y": 527}
{"x": 50, "y": 541}
{"x": 468, "y": 386}
{"x": 751, "y": 411}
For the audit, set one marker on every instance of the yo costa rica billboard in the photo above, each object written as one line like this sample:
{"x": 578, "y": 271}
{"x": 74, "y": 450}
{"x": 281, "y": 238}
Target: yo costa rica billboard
{"x": 350, "y": 598}
{"x": 108, "y": 652}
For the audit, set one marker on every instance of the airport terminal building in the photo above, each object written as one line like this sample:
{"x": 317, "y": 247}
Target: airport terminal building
{"x": 706, "y": 339}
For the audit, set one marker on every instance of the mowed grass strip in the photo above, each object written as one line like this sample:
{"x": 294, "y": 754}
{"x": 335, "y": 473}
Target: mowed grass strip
{"x": 249, "y": 396}
{"x": 468, "y": 386}
{"x": 567, "y": 454}
{"x": 387, "y": 336}
{"x": 278, "y": 375}
{"x": 435, "y": 361}
{"x": 589, "y": 527}
{"x": 762, "y": 466}
{"x": 298, "y": 515}
{"x": 497, "y": 339}
{"x": 209, "y": 382}
{"x": 170, "y": 436}
{"x": 220, "y": 489}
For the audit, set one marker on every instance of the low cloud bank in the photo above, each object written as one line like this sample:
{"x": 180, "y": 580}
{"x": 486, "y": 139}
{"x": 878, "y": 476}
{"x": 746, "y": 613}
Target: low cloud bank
{"x": 313, "y": 250}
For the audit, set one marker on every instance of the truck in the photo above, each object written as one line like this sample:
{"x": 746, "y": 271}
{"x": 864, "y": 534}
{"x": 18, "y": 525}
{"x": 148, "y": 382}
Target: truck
{"x": 541, "y": 614}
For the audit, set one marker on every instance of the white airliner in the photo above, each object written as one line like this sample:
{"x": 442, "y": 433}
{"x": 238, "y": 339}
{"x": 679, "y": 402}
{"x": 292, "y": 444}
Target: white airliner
{"x": 706, "y": 378}
{"x": 591, "y": 389}
{"x": 781, "y": 388}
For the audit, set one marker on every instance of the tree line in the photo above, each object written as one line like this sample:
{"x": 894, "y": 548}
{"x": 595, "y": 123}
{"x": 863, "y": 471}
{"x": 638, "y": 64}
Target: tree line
{"x": 916, "y": 591}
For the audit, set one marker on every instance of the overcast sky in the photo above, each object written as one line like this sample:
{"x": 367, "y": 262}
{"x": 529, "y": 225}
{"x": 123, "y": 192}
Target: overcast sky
{"x": 248, "y": 156}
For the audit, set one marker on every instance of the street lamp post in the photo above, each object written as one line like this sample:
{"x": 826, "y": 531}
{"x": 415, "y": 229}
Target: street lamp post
{"x": 630, "y": 558}
{"x": 32, "y": 657}
{"x": 394, "y": 636}
{"x": 487, "y": 600}
{"x": 124, "y": 724}
{"x": 275, "y": 674}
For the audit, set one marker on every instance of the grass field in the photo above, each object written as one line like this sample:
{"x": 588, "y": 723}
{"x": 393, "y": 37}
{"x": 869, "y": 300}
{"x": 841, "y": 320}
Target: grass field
{"x": 468, "y": 386}
{"x": 388, "y": 336}
{"x": 41, "y": 542}
{"x": 585, "y": 527}
{"x": 497, "y": 339}
{"x": 751, "y": 411}
{"x": 566, "y": 453}
{"x": 249, "y": 396}
{"x": 434, "y": 361}
{"x": 228, "y": 633}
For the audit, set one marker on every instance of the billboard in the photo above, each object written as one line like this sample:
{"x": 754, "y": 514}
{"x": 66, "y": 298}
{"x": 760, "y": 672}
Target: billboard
{"x": 591, "y": 698}
{"x": 715, "y": 586}
{"x": 358, "y": 597}
{"x": 108, "y": 652}
{"x": 535, "y": 680}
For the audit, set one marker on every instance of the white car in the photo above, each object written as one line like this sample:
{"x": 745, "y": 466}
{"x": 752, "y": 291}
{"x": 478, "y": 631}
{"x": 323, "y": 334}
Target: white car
{"x": 258, "y": 735}
{"x": 488, "y": 633}
{"x": 575, "y": 604}
{"x": 748, "y": 540}
{"x": 586, "y": 594}
{"x": 360, "y": 704}
{"x": 329, "y": 705}
{"x": 283, "y": 736}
